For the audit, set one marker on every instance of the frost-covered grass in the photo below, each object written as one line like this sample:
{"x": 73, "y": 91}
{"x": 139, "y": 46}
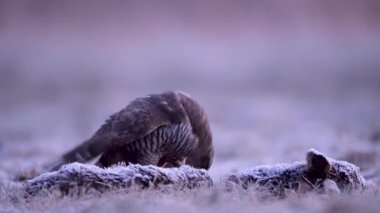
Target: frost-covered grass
{"x": 77, "y": 187}
{"x": 205, "y": 200}
{"x": 318, "y": 174}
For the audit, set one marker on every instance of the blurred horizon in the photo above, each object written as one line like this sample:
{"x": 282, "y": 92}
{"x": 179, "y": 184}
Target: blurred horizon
{"x": 319, "y": 47}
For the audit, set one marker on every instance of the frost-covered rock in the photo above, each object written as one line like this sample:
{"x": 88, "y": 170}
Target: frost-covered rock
{"x": 81, "y": 178}
{"x": 318, "y": 174}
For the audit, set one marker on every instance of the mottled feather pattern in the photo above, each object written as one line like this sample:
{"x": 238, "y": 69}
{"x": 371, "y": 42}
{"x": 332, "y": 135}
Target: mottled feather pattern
{"x": 169, "y": 143}
{"x": 167, "y": 129}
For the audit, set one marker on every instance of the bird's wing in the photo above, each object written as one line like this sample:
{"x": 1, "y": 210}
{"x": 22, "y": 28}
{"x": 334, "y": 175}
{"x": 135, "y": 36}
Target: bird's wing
{"x": 138, "y": 119}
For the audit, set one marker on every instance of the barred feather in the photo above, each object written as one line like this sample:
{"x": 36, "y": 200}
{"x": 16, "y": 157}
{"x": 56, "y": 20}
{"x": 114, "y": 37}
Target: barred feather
{"x": 165, "y": 129}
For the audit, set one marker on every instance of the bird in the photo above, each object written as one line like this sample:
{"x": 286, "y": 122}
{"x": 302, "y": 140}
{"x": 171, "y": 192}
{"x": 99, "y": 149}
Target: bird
{"x": 168, "y": 129}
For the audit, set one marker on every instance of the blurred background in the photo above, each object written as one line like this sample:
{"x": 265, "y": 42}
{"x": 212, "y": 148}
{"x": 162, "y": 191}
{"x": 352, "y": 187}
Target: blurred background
{"x": 275, "y": 77}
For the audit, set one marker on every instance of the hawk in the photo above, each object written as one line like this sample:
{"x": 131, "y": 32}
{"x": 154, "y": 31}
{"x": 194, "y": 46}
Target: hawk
{"x": 167, "y": 129}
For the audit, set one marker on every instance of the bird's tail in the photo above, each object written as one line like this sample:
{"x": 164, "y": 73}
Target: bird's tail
{"x": 84, "y": 152}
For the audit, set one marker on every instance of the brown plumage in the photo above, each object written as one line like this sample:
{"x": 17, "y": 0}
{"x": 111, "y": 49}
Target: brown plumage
{"x": 167, "y": 129}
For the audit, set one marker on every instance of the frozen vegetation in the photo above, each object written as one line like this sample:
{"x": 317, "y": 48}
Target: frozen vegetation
{"x": 314, "y": 179}
{"x": 318, "y": 174}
